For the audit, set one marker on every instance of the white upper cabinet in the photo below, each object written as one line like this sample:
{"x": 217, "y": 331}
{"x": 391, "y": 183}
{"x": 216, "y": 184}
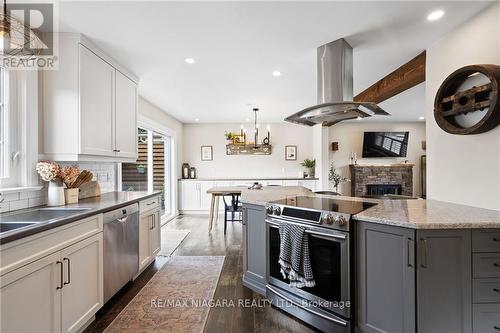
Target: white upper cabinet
{"x": 125, "y": 116}
{"x": 89, "y": 106}
{"x": 97, "y": 87}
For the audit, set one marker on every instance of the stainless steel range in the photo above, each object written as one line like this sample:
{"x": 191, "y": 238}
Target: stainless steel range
{"x": 327, "y": 223}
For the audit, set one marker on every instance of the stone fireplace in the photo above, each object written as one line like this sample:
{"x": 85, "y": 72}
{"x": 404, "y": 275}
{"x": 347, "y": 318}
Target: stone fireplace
{"x": 381, "y": 179}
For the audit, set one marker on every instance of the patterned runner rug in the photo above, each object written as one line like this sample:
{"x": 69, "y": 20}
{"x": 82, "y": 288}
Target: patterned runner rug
{"x": 177, "y": 298}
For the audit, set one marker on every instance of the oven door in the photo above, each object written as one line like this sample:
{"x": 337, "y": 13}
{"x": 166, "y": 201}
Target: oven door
{"x": 329, "y": 255}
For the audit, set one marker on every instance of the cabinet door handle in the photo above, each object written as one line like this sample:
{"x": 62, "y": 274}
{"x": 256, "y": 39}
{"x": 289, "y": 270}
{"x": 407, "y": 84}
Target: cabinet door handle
{"x": 496, "y": 264}
{"x": 151, "y": 203}
{"x": 496, "y": 239}
{"x": 423, "y": 261}
{"x": 496, "y": 290}
{"x": 69, "y": 271}
{"x": 497, "y": 328}
{"x": 411, "y": 252}
{"x": 61, "y": 275}
{"x": 244, "y": 220}
{"x": 116, "y": 150}
{"x": 152, "y": 222}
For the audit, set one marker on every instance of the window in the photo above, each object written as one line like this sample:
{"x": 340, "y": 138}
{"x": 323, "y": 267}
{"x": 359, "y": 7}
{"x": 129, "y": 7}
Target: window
{"x": 151, "y": 171}
{"x": 18, "y": 127}
{"x": 3, "y": 125}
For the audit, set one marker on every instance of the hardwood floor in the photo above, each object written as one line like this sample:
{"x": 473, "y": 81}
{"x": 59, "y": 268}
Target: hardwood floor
{"x": 244, "y": 319}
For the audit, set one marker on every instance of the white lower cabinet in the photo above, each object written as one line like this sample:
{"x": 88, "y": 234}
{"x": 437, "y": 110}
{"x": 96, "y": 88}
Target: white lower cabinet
{"x": 149, "y": 236}
{"x": 29, "y": 298}
{"x": 195, "y": 200}
{"x": 82, "y": 292}
{"x": 57, "y": 293}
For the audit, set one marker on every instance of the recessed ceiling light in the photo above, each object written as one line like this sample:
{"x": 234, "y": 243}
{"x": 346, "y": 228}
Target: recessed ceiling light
{"x": 189, "y": 61}
{"x": 359, "y": 118}
{"x": 276, "y": 73}
{"x": 421, "y": 118}
{"x": 196, "y": 119}
{"x": 435, "y": 15}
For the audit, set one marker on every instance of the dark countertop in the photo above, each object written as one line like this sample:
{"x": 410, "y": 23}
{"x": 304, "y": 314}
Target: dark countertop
{"x": 93, "y": 206}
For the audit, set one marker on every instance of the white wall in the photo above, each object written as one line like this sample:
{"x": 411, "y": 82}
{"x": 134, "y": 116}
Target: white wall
{"x": 349, "y": 135}
{"x": 463, "y": 169}
{"x": 235, "y": 166}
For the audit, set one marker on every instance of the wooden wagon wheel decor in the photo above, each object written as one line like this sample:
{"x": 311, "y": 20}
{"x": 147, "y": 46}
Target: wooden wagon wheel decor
{"x": 451, "y": 102}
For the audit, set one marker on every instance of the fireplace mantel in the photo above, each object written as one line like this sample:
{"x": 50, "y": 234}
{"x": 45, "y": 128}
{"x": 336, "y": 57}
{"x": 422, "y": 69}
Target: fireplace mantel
{"x": 390, "y": 174}
{"x": 398, "y": 165}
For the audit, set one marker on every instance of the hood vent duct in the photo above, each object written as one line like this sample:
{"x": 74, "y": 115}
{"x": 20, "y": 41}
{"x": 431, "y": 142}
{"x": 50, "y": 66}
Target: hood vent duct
{"x": 335, "y": 96}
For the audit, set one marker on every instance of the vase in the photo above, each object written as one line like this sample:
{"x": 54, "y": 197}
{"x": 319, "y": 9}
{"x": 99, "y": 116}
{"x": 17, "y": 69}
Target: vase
{"x": 55, "y": 193}
{"x": 311, "y": 172}
{"x": 71, "y": 195}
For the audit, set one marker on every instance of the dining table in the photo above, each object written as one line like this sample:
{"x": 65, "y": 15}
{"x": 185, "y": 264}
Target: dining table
{"x": 216, "y": 193}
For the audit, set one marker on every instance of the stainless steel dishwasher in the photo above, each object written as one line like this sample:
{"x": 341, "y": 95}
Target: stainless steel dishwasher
{"x": 121, "y": 248}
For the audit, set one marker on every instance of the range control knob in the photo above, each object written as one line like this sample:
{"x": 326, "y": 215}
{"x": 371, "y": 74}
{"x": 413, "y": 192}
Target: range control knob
{"x": 341, "y": 220}
{"x": 277, "y": 210}
{"x": 328, "y": 219}
{"x": 269, "y": 210}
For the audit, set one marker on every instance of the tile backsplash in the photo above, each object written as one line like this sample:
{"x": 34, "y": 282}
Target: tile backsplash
{"x": 104, "y": 173}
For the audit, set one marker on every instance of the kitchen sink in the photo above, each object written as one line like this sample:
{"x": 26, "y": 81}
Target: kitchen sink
{"x": 40, "y": 215}
{"x": 4, "y": 227}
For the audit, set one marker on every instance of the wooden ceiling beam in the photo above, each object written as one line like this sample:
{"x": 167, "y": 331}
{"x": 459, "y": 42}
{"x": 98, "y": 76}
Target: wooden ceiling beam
{"x": 405, "y": 77}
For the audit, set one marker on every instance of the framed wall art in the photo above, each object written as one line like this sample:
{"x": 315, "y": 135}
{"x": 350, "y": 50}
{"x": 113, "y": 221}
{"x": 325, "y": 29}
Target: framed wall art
{"x": 290, "y": 153}
{"x": 207, "y": 153}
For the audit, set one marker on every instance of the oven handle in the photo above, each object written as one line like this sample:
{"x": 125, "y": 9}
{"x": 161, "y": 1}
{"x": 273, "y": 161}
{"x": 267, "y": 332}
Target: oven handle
{"x": 308, "y": 231}
{"x": 338, "y": 321}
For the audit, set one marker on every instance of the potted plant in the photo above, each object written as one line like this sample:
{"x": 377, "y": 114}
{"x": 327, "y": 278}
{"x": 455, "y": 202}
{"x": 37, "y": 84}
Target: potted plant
{"x": 229, "y": 136}
{"x": 336, "y": 178}
{"x": 309, "y": 165}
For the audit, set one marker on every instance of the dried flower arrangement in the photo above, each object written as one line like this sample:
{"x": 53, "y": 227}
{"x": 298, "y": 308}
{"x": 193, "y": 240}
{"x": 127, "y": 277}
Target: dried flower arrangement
{"x": 48, "y": 170}
{"x": 69, "y": 174}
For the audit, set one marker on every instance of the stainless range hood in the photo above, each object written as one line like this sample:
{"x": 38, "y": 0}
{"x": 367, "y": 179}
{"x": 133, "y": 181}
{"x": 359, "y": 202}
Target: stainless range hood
{"x": 335, "y": 90}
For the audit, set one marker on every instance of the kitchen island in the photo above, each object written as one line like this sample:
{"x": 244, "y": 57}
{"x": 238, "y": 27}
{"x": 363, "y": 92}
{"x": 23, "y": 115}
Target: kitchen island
{"x": 418, "y": 265}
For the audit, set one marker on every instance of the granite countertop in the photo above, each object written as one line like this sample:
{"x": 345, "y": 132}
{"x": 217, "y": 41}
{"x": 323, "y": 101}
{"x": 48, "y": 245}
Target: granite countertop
{"x": 414, "y": 213}
{"x": 248, "y": 179}
{"x": 91, "y": 206}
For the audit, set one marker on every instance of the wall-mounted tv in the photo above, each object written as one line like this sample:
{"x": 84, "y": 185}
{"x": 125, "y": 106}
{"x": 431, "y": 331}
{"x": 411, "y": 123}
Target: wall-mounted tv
{"x": 385, "y": 144}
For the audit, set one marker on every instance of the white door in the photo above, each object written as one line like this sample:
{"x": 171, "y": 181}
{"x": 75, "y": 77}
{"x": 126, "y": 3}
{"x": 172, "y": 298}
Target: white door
{"x": 29, "y": 298}
{"x": 82, "y": 293}
{"x": 155, "y": 231}
{"x": 145, "y": 224}
{"x": 125, "y": 116}
{"x": 97, "y": 88}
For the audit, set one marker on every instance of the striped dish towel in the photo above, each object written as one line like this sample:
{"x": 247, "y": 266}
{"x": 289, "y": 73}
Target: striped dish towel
{"x": 294, "y": 255}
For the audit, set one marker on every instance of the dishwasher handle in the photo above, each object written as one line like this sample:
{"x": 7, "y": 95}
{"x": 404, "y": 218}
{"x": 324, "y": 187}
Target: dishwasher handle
{"x": 120, "y": 214}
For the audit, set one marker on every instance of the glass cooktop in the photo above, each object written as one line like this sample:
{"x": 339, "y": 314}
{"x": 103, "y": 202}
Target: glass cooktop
{"x": 326, "y": 204}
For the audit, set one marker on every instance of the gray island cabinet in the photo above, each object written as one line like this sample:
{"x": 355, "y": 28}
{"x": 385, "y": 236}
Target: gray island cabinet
{"x": 412, "y": 280}
{"x": 254, "y": 247}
